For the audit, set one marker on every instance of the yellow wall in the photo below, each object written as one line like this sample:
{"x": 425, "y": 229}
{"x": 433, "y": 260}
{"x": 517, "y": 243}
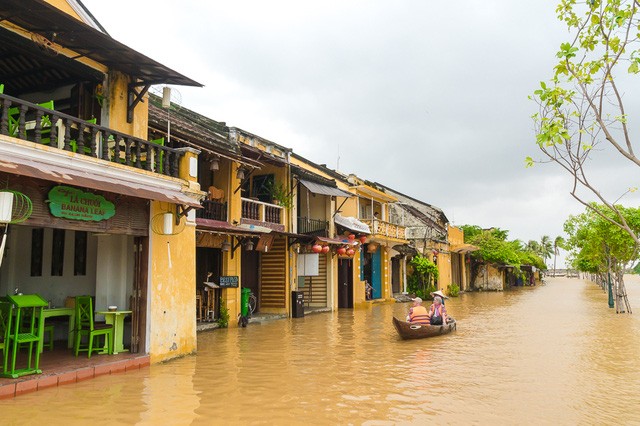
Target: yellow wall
{"x": 117, "y": 101}
{"x": 455, "y": 235}
{"x": 172, "y": 296}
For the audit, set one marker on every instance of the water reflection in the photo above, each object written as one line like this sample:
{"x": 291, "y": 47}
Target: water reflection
{"x": 548, "y": 354}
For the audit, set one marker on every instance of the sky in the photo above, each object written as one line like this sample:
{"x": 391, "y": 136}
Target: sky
{"x": 429, "y": 98}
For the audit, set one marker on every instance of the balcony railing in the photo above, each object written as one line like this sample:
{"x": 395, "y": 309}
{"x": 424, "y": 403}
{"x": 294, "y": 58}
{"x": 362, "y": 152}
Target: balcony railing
{"x": 31, "y": 122}
{"x": 263, "y": 212}
{"x": 386, "y": 229}
{"x": 213, "y": 210}
{"x": 319, "y": 228}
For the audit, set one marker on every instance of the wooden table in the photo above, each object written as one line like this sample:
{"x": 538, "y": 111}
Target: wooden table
{"x": 59, "y": 312}
{"x": 116, "y": 318}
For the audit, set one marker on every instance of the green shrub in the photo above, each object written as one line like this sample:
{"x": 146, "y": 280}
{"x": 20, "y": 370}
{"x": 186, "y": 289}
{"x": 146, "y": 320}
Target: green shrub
{"x": 453, "y": 290}
{"x": 223, "y": 318}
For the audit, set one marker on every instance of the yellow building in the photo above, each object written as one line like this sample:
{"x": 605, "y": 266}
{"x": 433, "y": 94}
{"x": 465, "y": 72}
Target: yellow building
{"x": 112, "y": 211}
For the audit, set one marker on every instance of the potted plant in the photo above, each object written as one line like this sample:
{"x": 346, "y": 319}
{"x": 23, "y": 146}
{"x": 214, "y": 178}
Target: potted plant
{"x": 280, "y": 195}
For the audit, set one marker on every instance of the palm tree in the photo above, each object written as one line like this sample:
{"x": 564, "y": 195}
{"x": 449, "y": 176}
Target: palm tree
{"x": 533, "y": 246}
{"x": 558, "y": 243}
{"x": 546, "y": 247}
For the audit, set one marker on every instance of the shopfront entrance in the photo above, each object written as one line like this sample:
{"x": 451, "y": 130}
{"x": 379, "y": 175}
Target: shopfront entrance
{"x": 345, "y": 283}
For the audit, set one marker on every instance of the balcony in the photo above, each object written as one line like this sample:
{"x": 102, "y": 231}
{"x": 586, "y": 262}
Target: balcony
{"x": 262, "y": 212}
{"x": 212, "y": 210}
{"x": 386, "y": 229}
{"x": 35, "y": 123}
{"x": 315, "y": 227}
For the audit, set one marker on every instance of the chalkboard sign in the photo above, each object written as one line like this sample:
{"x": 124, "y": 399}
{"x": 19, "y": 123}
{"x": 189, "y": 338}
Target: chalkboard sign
{"x": 230, "y": 281}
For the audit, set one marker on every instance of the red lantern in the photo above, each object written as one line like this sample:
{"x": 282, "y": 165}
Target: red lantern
{"x": 363, "y": 239}
{"x": 352, "y": 237}
{"x": 351, "y": 252}
{"x": 317, "y": 248}
{"x": 325, "y": 249}
{"x": 341, "y": 251}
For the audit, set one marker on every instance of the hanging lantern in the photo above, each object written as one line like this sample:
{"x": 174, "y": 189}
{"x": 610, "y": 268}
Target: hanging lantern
{"x": 341, "y": 251}
{"x": 351, "y": 252}
{"x": 363, "y": 239}
{"x": 372, "y": 247}
{"x": 240, "y": 173}
{"x": 249, "y": 245}
{"x": 351, "y": 237}
{"x": 317, "y": 248}
{"x": 325, "y": 249}
{"x": 226, "y": 246}
{"x": 215, "y": 164}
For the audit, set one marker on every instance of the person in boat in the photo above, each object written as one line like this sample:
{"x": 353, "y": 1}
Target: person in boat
{"x": 417, "y": 313}
{"x": 439, "y": 293}
{"x": 437, "y": 312}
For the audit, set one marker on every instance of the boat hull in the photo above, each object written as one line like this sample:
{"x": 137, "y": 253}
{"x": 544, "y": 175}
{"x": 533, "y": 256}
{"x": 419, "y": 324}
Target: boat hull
{"x": 407, "y": 330}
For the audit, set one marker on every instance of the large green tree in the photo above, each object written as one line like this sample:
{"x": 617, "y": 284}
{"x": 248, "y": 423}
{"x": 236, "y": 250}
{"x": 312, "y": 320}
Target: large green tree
{"x": 599, "y": 247}
{"x": 582, "y": 108}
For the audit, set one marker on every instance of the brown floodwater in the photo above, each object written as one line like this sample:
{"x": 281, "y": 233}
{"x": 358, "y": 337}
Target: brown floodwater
{"x": 548, "y": 354}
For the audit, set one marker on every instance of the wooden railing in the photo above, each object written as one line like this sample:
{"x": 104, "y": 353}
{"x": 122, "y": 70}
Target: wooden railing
{"x": 213, "y": 210}
{"x": 315, "y": 227}
{"x": 386, "y": 229}
{"x": 263, "y": 212}
{"x": 31, "y": 122}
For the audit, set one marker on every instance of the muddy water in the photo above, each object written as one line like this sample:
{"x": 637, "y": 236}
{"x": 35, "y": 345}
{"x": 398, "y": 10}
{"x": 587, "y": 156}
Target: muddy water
{"x": 551, "y": 354}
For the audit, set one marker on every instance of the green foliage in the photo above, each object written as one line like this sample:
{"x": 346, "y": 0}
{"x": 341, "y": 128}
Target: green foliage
{"x": 420, "y": 281}
{"x": 280, "y": 194}
{"x": 495, "y": 248}
{"x": 595, "y": 243}
{"x": 546, "y": 247}
{"x": 453, "y": 290}
{"x": 223, "y": 318}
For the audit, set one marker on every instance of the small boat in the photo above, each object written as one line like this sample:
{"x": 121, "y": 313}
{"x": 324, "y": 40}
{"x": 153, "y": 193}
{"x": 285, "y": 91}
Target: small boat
{"x": 408, "y": 330}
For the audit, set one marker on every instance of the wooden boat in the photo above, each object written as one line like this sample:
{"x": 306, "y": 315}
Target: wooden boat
{"x": 407, "y": 330}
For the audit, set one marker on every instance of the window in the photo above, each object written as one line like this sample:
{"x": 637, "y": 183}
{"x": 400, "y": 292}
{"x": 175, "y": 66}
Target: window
{"x": 37, "y": 238}
{"x": 57, "y": 253}
{"x": 261, "y": 187}
{"x": 80, "y": 253}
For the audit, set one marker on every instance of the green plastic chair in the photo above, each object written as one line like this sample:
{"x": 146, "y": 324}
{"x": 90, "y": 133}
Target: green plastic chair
{"x": 85, "y": 326}
{"x": 74, "y": 143}
{"x": 1, "y": 88}
{"x": 14, "y": 118}
{"x": 5, "y": 325}
{"x": 159, "y": 141}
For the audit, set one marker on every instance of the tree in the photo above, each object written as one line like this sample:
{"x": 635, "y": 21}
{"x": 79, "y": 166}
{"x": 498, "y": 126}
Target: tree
{"x": 546, "y": 247}
{"x": 599, "y": 247}
{"x": 558, "y": 243}
{"x": 582, "y": 107}
{"x": 533, "y": 246}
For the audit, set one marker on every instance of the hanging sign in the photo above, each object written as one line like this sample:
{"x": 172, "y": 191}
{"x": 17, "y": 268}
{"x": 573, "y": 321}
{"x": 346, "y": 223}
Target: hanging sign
{"x": 75, "y": 204}
{"x": 229, "y": 281}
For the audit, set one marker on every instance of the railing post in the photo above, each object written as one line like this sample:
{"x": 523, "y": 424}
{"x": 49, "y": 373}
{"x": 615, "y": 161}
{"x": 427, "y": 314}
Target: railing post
{"x": 38, "y": 128}
{"x": 4, "y": 119}
{"x": 22, "y": 131}
{"x": 262, "y": 213}
{"x": 54, "y": 130}
{"x": 67, "y": 135}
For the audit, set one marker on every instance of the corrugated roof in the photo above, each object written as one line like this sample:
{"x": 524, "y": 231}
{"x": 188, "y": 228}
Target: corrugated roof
{"x": 320, "y": 189}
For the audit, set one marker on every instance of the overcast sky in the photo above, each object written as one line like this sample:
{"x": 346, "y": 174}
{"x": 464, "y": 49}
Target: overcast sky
{"x": 429, "y": 98}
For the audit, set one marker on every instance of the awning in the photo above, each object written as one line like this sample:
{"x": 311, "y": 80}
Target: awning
{"x": 320, "y": 189}
{"x": 225, "y": 228}
{"x": 463, "y": 248}
{"x": 405, "y": 249}
{"x": 44, "y": 19}
{"x": 338, "y": 241}
{"x": 90, "y": 178}
{"x": 352, "y": 224}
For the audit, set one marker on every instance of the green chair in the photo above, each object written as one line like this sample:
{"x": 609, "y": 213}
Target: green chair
{"x": 45, "y": 132}
{"x": 6, "y": 312}
{"x": 1, "y": 88}
{"x": 159, "y": 141}
{"x": 86, "y": 326}
{"x": 74, "y": 143}
{"x": 49, "y": 330}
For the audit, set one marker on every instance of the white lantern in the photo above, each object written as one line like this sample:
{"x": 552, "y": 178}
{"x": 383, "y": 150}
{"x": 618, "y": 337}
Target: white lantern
{"x": 167, "y": 226}
{"x": 166, "y": 97}
{"x": 6, "y": 206}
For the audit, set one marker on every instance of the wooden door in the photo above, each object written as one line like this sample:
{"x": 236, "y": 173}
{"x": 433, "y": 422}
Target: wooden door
{"x": 395, "y": 275}
{"x": 250, "y": 270}
{"x": 139, "y": 296}
{"x": 345, "y": 283}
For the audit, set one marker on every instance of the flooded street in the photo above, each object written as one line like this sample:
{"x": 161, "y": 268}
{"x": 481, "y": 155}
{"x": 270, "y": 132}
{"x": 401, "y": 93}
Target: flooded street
{"x": 550, "y": 354}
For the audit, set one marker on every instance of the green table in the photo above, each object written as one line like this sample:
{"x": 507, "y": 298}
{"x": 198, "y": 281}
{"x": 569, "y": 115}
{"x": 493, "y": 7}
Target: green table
{"x": 116, "y": 318}
{"x": 59, "y": 312}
